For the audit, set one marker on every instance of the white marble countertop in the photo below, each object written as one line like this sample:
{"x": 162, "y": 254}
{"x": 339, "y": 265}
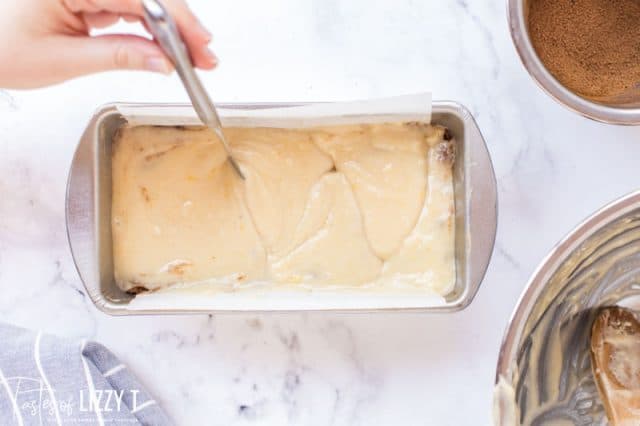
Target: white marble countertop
{"x": 554, "y": 168}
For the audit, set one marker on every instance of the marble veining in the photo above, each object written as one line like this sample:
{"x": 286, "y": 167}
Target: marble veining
{"x": 554, "y": 169}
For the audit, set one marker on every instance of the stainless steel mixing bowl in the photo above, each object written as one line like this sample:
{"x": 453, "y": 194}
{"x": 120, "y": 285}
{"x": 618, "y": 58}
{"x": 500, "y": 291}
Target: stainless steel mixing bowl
{"x": 544, "y": 369}
{"x": 621, "y": 110}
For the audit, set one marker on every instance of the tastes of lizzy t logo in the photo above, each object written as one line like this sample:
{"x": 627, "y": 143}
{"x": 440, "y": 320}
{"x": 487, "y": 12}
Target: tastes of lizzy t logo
{"x": 34, "y": 399}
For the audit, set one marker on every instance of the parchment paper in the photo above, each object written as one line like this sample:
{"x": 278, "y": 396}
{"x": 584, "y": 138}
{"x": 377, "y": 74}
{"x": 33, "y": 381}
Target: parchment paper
{"x": 416, "y": 107}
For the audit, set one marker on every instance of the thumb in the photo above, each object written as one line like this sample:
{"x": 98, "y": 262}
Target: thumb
{"x": 116, "y": 52}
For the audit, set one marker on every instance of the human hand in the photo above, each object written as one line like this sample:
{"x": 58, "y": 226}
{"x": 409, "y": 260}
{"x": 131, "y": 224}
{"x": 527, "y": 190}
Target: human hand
{"x": 49, "y": 41}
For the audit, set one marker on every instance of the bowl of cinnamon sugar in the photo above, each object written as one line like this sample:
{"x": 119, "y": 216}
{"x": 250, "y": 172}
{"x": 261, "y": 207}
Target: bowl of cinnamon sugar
{"x": 583, "y": 53}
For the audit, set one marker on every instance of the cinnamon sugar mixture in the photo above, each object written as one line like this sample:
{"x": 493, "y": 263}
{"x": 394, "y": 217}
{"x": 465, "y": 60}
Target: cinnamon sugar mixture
{"x": 591, "y": 46}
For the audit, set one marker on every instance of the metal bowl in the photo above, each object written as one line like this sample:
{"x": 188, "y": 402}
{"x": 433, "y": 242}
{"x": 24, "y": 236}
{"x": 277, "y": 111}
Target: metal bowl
{"x": 544, "y": 369}
{"x": 621, "y": 110}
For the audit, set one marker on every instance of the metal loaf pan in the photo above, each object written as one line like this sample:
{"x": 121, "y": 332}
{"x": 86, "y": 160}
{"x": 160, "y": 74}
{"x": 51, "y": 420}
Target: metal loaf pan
{"x": 88, "y": 214}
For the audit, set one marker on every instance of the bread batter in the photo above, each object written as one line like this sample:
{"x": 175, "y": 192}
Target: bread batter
{"x": 358, "y": 206}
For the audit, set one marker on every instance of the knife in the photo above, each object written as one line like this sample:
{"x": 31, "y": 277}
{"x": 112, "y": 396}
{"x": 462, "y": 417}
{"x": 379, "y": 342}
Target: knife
{"x": 165, "y": 32}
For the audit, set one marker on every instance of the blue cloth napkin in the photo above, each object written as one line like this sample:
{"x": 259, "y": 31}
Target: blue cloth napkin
{"x": 45, "y": 380}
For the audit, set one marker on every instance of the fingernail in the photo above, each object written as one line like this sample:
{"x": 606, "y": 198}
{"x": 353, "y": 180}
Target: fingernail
{"x": 156, "y": 64}
{"x": 207, "y": 34}
{"x": 212, "y": 58}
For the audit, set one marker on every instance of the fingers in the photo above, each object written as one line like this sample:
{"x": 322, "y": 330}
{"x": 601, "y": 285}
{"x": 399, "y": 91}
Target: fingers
{"x": 106, "y": 19}
{"x": 60, "y": 58}
{"x": 193, "y": 32}
{"x": 116, "y": 52}
{"x": 196, "y": 37}
{"x": 133, "y": 7}
{"x": 100, "y": 19}
{"x": 130, "y": 18}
